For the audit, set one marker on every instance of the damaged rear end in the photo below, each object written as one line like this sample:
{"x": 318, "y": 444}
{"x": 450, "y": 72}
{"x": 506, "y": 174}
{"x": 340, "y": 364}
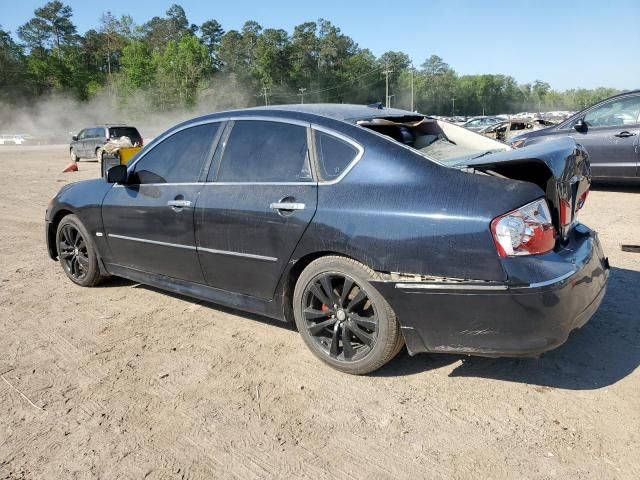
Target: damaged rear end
{"x": 560, "y": 168}
{"x": 555, "y": 269}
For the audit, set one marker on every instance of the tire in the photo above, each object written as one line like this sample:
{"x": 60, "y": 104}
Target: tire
{"x": 99, "y": 152}
{"x": 74, "y": 156}
{"x": 357, "y": 334}
{"x": 77, "y": 252}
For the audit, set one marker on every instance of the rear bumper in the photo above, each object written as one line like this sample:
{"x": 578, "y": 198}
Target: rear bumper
{"x": 504, "y": 319}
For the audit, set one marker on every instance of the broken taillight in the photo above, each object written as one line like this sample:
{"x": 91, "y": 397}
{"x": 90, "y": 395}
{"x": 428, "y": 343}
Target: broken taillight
{"x": 565, "y": 212}
{"x": 527, "y": 230}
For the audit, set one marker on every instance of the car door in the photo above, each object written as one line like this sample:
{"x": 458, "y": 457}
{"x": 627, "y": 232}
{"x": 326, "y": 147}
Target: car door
{"x": 149, "y": 222}
{"x": 78, "y": 145}
{"x": 611, "y": 136}
{"x": 259, "y": 199}
{"x": 88, "y": 142}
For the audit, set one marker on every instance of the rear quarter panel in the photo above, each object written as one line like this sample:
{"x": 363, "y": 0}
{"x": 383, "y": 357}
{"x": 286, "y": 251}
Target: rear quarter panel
{"x": 396, "y": 211}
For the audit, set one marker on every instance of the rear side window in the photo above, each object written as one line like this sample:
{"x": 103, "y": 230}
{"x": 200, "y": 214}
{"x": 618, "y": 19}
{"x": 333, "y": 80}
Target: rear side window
{"x": 179, "y": 158}
{"x": 264, "y": 151}
{"x": 97, "y": 132}
{"x": 334, "y": 155}
{"x": 131, "y": 132}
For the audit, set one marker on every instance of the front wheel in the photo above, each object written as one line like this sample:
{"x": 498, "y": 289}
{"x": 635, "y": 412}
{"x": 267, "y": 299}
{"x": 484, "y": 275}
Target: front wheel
{"x": 74, "y": 156}
{"x": 342, "y": 318}
{"x": 76, "y": 252}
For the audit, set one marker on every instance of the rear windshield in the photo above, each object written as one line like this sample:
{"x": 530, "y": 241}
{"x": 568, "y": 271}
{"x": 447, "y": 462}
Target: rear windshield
{"x": 131, "y": 132}
{"x": 446, "y": 143}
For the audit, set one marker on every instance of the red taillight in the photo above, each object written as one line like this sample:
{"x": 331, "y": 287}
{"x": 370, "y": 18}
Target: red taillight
{"x": 565, "y": 212}
{"x": 524, "y": 231}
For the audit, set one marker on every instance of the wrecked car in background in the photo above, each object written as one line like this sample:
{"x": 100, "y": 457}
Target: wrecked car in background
{"x": 609, "y": 130}
{"x": 480, "y": 123}
{"x": 370, "y": 228}
{"x": 507, "y": 129}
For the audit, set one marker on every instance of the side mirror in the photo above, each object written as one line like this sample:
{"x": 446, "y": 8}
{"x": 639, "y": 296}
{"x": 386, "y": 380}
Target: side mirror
{"x": 580, "y": 125}
{"x": 117, "y": 174}
{"x": 74, "y": 138}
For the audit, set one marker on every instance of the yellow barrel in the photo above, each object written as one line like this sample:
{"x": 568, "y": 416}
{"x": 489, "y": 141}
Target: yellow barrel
{"x": 127, "y": 153}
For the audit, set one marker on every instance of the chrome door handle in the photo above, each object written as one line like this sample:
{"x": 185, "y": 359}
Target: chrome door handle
{"x": 287, "y": 206}
{"x": 179, "y": 203}
{"x": 624, "y": 134}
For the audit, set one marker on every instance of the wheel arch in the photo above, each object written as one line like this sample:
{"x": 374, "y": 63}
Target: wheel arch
{"x": 291, "y": 276}
{"x": 53, "y": 228}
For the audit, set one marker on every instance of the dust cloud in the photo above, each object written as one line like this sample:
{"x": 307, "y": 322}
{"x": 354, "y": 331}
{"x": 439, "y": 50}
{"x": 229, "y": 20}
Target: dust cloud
{"x": 56, "y": 118}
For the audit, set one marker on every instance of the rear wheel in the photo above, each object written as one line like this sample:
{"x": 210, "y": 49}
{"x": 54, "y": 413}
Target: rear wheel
{"x": 342, "y": 318}
{"x": 99, "y": 153}
{"x": 76, "y": 252}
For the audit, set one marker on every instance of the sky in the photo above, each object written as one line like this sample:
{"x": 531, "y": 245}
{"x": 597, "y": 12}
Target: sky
{"x": 570, "y": 44}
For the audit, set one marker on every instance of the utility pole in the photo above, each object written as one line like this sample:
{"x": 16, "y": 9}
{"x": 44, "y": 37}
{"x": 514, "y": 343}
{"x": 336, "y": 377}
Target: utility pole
{"x": 453, "y": 106}
{"x": 264, "y": 92}
{"x": 412, "y": 109}
{"x": 387, "y": 72}
{"x": 302, "y": 90}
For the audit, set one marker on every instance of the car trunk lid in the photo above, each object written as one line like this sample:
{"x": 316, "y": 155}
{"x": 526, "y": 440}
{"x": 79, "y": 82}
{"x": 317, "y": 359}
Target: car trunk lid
{"x": 560, "y": 167}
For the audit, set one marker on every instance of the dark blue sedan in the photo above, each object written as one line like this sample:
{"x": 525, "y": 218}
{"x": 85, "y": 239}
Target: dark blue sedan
{"x": 370, "y": 228}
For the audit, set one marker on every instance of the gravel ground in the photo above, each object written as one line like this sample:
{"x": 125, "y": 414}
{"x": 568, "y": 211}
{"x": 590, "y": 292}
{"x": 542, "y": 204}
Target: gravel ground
{"x": 124, "y": 381}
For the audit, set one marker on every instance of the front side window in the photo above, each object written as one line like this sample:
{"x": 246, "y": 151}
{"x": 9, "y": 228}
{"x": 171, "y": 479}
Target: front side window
{"x": 334, "y": 155}
{"x": 617, "y": 113}
{"x": 179, "y": 158}
{"x": 82, "y": 134}
{"x": 265, "y": 151}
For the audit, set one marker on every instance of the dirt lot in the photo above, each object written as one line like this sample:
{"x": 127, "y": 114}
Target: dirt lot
{"x": 124, "y": 381}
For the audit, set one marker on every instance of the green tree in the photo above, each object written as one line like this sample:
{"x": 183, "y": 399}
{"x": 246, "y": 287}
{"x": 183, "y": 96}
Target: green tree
{"x": 181, "y": 71}
{"x": 138, "y": 69}
{"x": 211, "y": 33}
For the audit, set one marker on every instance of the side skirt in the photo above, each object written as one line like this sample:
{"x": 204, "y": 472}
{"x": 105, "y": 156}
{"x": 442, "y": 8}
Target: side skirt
{"x": 246, "y": 303}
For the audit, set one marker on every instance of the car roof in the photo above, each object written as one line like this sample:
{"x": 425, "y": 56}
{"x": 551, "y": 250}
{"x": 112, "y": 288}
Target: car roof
{"x": 110, "y": 125}
{"x": 338, "y": 111}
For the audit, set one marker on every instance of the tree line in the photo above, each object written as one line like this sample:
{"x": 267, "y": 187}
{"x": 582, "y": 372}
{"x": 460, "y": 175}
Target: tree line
{"x": 169, "y": 63}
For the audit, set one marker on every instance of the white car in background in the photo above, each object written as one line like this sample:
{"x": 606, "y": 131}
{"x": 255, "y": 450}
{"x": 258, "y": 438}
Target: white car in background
{"x": 18, "y": 139}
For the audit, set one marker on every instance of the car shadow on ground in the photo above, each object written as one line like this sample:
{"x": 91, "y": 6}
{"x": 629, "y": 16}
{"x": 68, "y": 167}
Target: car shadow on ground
{"x": 205, "y": 304}
{"x": 603, "y": 352}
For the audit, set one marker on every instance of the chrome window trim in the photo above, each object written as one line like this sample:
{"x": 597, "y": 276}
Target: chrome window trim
{"x": 346, "y": 139}
{"x": 190, "y": 247}
{"x": 311, "y": 184}
{"x": 266, "y": 118}
{"x": 160, "y": 184}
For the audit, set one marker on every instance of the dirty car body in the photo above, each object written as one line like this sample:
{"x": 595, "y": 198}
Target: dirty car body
{"x": 414, "y": 199}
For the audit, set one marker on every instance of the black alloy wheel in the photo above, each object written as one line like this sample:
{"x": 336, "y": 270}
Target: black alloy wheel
{"x": 340, "y": 317}
{"x": 73, "y": 252}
